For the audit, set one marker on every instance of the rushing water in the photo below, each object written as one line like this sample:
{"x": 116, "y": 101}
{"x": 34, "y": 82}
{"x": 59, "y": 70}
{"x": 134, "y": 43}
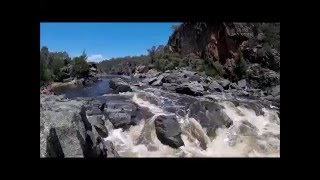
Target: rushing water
{"x": 249, "y": 136}
{"x": 264, "y": 141}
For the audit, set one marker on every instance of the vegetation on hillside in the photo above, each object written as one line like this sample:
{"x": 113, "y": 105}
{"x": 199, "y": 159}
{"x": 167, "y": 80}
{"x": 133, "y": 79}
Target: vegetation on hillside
{"x": 54, "y": 65}
{"x": 161, "y": 60}
{"x": 107, "y": 66}
{"x": 271, "y": 32}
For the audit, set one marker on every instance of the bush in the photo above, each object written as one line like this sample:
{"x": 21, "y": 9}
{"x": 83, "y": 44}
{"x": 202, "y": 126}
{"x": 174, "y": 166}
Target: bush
{"x": 210, "y": 71}
{"x": 81, "y": 67}
{"x": 45, "y": 74}
{"x": 218, "y": 68}
{"x": 51, "y": 64}
{"x": 240, "y": 69}
{"x": 169, "y": 66}
{"x": 272, "y": 34}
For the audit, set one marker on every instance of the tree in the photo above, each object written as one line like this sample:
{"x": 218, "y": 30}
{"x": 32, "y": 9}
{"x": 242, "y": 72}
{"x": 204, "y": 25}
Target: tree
{"x": 43, "y": 68}
{"x": 240, "y": 67}
{"x": 152, "y": 53}
{"x": 44, "y": 51}
{"x": 81, "y": 67}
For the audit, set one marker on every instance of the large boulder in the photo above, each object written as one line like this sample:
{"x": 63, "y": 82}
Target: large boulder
{"x": 210, "y": 115}
{"x": 123, "y": 113}
{"x": 176, "y": 77}
{"x": 152, "y": 73}
{"x": 193, "y": 88}
{"x": 99, "y": 126}
{"x": 195, "y": 77}
{"x": 54, "y": 148}
{"x": 224, "y": 83}
{"x": 255, "y": 106}
{"x": 215, "y": 86}
{"x": 242, "y": 84}
{"x": 234, "y": 86}
{"x": 120, "y": 120}
{"x": 66, "y": 129}
{"x": 105, "y": 149}
{"x": 119, "y": 85}
{"x": 168, "y": 131}
{"x": 159, "y": 81}
{"x": 276, "y": 90}
{"x": 149, "y": 80}
{"x": 64, "y": 118}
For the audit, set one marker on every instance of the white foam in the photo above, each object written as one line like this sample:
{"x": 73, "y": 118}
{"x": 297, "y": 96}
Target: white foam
{"x": 262, "y": 144}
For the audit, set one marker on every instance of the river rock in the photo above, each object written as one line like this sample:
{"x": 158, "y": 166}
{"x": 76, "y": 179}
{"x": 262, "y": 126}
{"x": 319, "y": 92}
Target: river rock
{"x": 99, "y": 125}
{"x": 65, "y": 119}
{"x": 119, "y": 85}
{"x": 255, "y": 106}
{"x": 224, "y": 83}
{"x": 70, "y": 127}
{"x": 195, "y": 77}
{"x": 152, "y": 73}
{"x": 234, "y": 86}
{"x": 168, "y": 131}
{"x": 120, "y": 120}
{"x": 242, "y": 84}
{"x": 276, "y": 90}
{"x": 54, "y": 149}
{"x": 105, "y": 149}
{"x": 209, "y": 115}
{"x": 150, "y": 80}
{"x": 150, "y": 98}
{"x": 215, "y": 86}
{"x": 169, "y": 86}
{"x": 159, "y": 81}
{"x": 193, "y": 89}
{"x": 247, "y": 129}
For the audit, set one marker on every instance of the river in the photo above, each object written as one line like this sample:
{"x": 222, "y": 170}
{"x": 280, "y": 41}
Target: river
{"x": 250, "y": 135}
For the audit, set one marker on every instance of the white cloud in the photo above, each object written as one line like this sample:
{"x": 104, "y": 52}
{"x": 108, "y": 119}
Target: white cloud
{"x": 96, "y": 58}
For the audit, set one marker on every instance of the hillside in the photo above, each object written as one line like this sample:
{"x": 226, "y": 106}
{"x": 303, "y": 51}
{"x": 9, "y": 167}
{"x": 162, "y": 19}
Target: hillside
{"x": 233, "y": 51}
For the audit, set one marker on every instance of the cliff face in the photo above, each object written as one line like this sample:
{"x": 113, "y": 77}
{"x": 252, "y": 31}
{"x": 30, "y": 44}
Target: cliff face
{"x": 221, "y": 44}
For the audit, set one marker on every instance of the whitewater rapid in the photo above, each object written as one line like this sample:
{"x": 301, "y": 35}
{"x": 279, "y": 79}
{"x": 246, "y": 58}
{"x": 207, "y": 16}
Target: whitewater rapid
{"x": 261, "y": 140}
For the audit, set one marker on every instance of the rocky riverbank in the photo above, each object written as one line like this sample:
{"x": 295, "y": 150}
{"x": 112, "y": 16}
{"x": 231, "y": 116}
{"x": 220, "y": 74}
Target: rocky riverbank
{"x": 171, "y": 110}
{"x": 67, "y": 131}
{"x": 70, "y": 81}
{"x": 183, "y": 81}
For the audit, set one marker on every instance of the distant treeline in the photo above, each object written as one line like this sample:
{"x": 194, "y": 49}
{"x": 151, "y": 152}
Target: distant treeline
{"x": 56, "y": 66}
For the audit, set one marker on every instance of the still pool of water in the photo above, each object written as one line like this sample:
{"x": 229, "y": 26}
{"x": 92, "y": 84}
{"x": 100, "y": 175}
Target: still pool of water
{"x": 96, "y": 90}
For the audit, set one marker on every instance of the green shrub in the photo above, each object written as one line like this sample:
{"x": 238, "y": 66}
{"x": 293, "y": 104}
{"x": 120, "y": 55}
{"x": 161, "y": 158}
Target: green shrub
{"x": 45, "y": 74}
{"x": 81, "y": 67}
{"x": 218, "y": 68}
{"x": 272, "y": 34}
{"x": 240, "y": 69}
{"x": 210, "y": 71}
{"x": 169, "y": 66}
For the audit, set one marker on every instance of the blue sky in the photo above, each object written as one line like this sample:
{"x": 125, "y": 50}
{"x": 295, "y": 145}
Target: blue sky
{"x": 104, "y": 40}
